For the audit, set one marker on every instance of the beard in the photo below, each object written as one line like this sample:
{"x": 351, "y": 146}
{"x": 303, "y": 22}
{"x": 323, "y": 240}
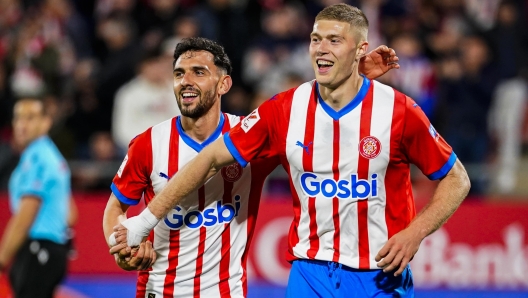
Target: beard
{"x": 204, "y": 105}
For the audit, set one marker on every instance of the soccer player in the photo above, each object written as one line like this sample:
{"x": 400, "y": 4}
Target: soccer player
{"x": 39, "y": 196}
{"x": 202, "y": 243}
{"x": 347, "y": 143}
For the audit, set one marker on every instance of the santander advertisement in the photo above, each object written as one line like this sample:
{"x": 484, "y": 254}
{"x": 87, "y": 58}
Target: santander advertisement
{"x": 484, "y": 245}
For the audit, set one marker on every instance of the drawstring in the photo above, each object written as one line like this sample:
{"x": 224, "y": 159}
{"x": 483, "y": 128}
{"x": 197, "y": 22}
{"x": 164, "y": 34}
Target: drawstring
{"x": 334, "y": 272}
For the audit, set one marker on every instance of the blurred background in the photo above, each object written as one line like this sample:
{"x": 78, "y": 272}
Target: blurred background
{"x": 105, "y": 69}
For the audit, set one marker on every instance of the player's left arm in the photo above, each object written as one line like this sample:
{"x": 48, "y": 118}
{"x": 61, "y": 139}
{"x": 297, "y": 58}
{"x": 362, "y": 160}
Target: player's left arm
{"x": 449, "y": 194}
{"x": 17, "y": 228}
{"x": 378, "y": 61}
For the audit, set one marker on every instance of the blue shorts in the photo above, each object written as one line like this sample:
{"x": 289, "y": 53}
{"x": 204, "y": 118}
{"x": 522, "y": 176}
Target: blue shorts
{"x": 311, "y": 278}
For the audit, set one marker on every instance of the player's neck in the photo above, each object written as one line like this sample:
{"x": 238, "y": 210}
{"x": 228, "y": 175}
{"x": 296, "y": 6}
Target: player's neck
{"x": 202, "y": 128}
{"x": 340, "y": 96}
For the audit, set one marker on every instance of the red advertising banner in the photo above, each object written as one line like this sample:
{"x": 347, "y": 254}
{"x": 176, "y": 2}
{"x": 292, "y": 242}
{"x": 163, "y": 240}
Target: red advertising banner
{"x": 483, "y": 245}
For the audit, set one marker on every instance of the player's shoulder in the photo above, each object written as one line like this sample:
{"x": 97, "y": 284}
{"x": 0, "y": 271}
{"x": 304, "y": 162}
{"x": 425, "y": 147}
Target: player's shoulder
{"x": 145, "y": 138}
{"x": 399, "y": 97}
{"x": 233, "y": 120}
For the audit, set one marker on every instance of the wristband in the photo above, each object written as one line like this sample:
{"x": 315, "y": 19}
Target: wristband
{"x": 139, "y": 227}
{"x": 111, "y": 240}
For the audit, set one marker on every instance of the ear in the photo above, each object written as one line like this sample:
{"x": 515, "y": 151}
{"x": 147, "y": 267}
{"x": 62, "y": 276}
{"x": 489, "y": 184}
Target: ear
{"x": 225, "y": 84}
{"x": 361, "y": 50}
{"x": 47, "y": 122}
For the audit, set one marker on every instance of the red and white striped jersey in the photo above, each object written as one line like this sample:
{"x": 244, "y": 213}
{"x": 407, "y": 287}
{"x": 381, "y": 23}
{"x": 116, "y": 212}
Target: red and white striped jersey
{"x": 201, "y": 243}
{"x": 349, "y": 170}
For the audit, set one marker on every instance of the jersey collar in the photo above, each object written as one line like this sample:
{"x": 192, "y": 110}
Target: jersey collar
{"x": 192, "y": 143}
{"x": 350, "y": 106}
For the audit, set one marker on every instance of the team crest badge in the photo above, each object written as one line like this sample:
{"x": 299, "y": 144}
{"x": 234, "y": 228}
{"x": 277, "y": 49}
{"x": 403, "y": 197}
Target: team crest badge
{"x": 232, "y": 173}
{"x": 369, "y": 147}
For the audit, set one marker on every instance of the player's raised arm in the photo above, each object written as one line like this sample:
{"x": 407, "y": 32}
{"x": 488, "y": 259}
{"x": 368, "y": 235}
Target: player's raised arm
{"x": 205, "y": 165}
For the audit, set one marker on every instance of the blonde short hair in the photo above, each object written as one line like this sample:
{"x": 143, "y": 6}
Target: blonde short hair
{"x": 348, "y": 14}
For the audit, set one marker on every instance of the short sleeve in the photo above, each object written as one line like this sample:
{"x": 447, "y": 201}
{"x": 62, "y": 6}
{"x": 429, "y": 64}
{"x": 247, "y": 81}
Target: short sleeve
{"x": 35, "y": 175}
{"x": 250, "y": 139}
{"x": 422, "y": 144}
{"x": 133, "y": 176}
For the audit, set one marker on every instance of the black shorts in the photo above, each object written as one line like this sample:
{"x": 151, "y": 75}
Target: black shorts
{"x": 38, "y": 268}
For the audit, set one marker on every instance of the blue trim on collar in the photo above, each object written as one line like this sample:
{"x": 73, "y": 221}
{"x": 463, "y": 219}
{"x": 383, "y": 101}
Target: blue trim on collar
{"x": 445, "y": 168}
{"x": 350, "y": 106}
{"x": 192, "y": 143}
{"x": 121, "y": 197}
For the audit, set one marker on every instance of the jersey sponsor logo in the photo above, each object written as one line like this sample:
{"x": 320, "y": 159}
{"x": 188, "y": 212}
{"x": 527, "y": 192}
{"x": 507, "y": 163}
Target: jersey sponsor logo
{"x": 250, "y": 120}
{"x": 220, "y": 214}
{"x": 232, "y": 173}
{"x": 433, "y": 132}
{"x": 306, "y": 148}
{"x": 369, "y": 147}
{"x": 122, "y": 167}
{"x": 353, "y": 188}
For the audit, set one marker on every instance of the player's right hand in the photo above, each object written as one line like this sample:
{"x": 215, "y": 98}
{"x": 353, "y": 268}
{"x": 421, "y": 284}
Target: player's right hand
{"x": 139, "y": 258}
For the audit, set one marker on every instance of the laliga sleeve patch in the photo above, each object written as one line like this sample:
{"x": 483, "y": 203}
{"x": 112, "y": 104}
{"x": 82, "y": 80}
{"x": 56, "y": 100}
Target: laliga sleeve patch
{"x": 122, "y": 167}
{"x": 250, "y": 120}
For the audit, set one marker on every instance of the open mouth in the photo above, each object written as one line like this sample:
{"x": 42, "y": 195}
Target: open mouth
{"x": 324, "y": 65}
{"x": 188, "y": 96}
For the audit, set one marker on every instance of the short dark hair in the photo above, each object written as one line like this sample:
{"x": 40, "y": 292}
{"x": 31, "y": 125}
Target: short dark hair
{"x": 203, "y": 44}
{"x": 348, "y": 14}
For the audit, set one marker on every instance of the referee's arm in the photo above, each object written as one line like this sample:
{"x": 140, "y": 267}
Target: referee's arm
{"x": 17, "y": 228}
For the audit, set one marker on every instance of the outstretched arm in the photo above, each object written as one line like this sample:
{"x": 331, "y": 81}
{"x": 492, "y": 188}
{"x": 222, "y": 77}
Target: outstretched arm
{"x": 378, "y": 61}
{"x": 205, "y": 165}
{"x": 402, "y": 247}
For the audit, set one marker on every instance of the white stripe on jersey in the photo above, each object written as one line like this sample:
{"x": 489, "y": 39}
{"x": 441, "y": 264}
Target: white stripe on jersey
{"x": 296, "y": 129}
{"x": 381, "y": 122}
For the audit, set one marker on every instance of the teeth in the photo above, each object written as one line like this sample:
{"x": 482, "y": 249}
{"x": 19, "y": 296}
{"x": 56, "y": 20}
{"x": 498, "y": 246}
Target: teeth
{"x": 189, "y": 94}
{"x": 323, "y": 62}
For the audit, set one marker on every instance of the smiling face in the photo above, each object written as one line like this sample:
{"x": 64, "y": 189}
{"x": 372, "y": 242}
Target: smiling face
{"x": 196, "y": 79}
{"x": 334, "y": 51}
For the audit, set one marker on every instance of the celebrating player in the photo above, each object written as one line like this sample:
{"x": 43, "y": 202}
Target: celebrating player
{"x": 347, "y": 143}
{"x": 202, "y": 243}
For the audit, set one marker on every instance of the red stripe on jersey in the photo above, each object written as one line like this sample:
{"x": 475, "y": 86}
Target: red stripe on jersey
{"x": 174, "y": 245}
{"x": 335, "y": 200}
{"x": 226, "y": 234}
{"x": 201, "y": 245}
{"x": 307, "y": 160}
{"x": 398, "y": 214}
{"x": 363, "y": 168}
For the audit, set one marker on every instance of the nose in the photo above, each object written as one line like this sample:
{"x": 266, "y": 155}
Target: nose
{"x": 187, "y": 80}
{"x": 322, "y": 48}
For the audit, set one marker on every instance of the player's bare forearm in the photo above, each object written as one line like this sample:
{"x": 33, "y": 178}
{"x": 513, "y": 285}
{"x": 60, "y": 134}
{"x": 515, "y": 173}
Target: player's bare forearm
{"x": 449, "y": 194}
{"x": 114, "y": 213}
{"x": 401, "y": 248}
{"x": 17, "y": 228}
{"x": 205, "y": 165}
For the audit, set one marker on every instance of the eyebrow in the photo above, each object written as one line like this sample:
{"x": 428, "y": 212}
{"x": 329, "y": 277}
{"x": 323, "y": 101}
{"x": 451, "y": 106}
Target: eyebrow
{"x": 195, "y": 68}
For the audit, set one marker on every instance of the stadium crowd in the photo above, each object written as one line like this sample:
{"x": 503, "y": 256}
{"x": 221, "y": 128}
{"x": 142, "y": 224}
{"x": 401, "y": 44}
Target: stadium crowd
{"x": 104, "y": 68}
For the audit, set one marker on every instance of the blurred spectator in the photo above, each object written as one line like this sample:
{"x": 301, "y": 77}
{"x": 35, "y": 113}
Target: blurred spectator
{"x": 465, "y": 90}
{"x": 416, "y": 76}
{"x": 103, "y": 160}
{"x": 510, "y": 41}
{"x": 146, "y": 100}
{"x": 118, "y": 64}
